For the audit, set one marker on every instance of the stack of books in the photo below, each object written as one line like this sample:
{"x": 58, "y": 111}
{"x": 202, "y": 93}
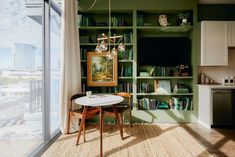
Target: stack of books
{"x": 181, "y": 88}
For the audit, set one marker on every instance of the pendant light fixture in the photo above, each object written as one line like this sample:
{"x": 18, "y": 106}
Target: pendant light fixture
{"x": 104, "y": 42}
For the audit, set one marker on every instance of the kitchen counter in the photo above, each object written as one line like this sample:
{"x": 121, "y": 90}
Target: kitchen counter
{"x": 209, "y": 105}
{"x": 217, "y": 86}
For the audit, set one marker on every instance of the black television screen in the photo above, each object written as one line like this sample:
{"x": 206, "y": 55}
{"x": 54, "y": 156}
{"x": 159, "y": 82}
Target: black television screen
{"x": 164, "y": 51}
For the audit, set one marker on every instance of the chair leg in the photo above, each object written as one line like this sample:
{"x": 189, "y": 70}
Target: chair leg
{"x": 101, "y": 130}
{"x": 68, "y": 126}
{"x": 79, "y": 122}
{"x": 130, "y": 119}
{"x": 82, "y": 121}
{"x": 121, "y": 118}
{"x": 84, "y": 130}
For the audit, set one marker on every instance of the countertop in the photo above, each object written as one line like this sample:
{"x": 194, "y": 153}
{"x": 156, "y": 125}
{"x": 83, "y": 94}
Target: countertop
{"x": 217, "y": 86}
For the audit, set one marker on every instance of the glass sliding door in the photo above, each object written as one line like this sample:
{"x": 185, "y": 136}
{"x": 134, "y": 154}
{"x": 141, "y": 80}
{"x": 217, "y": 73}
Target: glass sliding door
{"x": 21, "y": 75}
{"x": 55, "y": 60}
{"x": 28, "y": 118}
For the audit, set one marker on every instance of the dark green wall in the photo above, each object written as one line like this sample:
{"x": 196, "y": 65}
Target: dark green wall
{"x": 222, "y": 12}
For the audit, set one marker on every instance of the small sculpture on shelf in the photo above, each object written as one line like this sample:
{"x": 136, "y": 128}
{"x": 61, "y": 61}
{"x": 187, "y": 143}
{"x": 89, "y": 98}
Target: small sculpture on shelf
{"x": 162, "y": 19}
{"x": 182, "y": 70}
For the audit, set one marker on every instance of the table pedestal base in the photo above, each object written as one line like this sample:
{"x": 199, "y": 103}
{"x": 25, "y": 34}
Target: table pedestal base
{"x": 82, "y": 126}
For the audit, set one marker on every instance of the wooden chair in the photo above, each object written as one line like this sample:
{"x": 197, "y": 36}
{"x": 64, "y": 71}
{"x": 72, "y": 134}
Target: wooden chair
{"x": 91, "y": 112}
{"x": 122, "y": 107}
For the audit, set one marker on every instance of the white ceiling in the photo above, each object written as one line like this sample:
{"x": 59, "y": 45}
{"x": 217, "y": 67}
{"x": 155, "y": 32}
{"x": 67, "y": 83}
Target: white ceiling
{"x": 216, "y": 1}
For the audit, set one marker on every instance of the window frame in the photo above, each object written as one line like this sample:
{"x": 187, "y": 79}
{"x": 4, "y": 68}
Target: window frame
{"x": 48, "y": 138}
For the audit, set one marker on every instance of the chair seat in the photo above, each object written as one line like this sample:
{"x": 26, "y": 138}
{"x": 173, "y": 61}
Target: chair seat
{"x": 125, "y": 105}
{"x": 90, "y": 112}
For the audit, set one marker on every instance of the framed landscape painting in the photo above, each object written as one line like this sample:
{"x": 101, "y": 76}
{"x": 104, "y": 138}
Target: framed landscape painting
{"x": 101, "y": 70}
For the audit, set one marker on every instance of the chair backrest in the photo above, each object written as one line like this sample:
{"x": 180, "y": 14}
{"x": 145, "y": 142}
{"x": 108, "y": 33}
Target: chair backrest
{"x": 123, "y": 94}
{"x": 73, "y": 97}
{"x": 127, "y": 99}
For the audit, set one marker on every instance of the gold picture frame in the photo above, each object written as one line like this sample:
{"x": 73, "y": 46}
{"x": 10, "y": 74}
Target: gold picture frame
{"x": 101, "y": 70}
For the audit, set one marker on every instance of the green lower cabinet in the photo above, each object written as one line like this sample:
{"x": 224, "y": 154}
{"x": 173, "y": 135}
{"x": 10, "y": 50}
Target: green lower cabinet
{"x": 160, "y": 115}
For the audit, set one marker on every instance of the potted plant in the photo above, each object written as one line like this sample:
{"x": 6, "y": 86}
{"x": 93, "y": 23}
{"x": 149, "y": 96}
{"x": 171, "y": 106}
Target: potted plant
{"x": 184, "y": 17}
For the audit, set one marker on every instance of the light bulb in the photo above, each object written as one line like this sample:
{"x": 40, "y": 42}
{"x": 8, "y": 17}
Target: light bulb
{"x": 103, "y": 46}
{"x": 121, "y": 47}
{"x": 114, "y": 51}
{"x": 109, "y": 56}
{"x": 98, "y": 49}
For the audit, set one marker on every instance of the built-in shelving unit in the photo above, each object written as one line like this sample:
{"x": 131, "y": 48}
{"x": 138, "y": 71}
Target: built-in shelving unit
{"x": 135, "y": 24}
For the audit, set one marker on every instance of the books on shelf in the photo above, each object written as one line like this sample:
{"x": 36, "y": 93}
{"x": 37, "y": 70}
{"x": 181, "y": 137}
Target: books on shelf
{"x": 128, "y": 37}
{"x": 165, "y": 71}
{"x": 83, "y": 52}
{"x": 181, "y": 88}
{"x": 140, "y": 19}
{"x": 151, "y": 104}
{"x": 118, "y": 21}
{"x": 162, "y": 87}
{"x": 84, "y": 39}
{"x": 130, "y": 54}
{"x": 83, "y": 88}
{"x": 143, "y": 87}
{"x": 182, "y": 103}
{"x": 126, "y": 55}
{"x": 79, "y": 17}
{"x": 162, "y": 71}
{"x": 125, "y": 71}
{"x": 86, "y": 20}
{"x": 143, "y": 104}
{"x": 83, "y": 71}
{"x": 124, "y": 87}
{"x": 152, "y": 71}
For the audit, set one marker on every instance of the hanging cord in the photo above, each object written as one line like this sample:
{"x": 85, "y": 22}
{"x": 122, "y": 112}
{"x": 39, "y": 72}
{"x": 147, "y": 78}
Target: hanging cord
{"x": 86, "y": 10}
{"x": 109, "y": 23}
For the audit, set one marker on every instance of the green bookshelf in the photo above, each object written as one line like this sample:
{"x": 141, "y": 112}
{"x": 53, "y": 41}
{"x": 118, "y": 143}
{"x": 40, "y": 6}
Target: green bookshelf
{"x": 141, "y": 23}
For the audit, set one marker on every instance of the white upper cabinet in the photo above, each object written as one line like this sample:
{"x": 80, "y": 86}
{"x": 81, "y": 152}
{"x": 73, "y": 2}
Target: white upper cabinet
{"x": 231, "y": 34}
{"x": 214, "y": 44}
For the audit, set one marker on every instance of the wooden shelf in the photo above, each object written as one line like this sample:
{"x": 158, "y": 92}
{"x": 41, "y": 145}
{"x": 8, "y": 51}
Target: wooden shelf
{"x": 125, "y": 77}
{"x": 105, "y": 27}
{"x": 164, "y": 110}
{"x": 167, "y": 28}
{"x": 125, "y": 61}
{"x": 166, "y": 77}
{"x": 173, "y": 94}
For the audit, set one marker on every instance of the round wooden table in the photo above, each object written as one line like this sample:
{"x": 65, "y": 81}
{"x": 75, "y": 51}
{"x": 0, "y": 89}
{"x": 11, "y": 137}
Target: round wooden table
{"x": 99, "y": 101}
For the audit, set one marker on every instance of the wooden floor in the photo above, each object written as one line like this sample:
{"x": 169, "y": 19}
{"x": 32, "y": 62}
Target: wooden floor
{"x": 145, "y": 140}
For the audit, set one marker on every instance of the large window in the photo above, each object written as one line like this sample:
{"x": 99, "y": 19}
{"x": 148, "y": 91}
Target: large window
{"x": 22, "y": 75}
